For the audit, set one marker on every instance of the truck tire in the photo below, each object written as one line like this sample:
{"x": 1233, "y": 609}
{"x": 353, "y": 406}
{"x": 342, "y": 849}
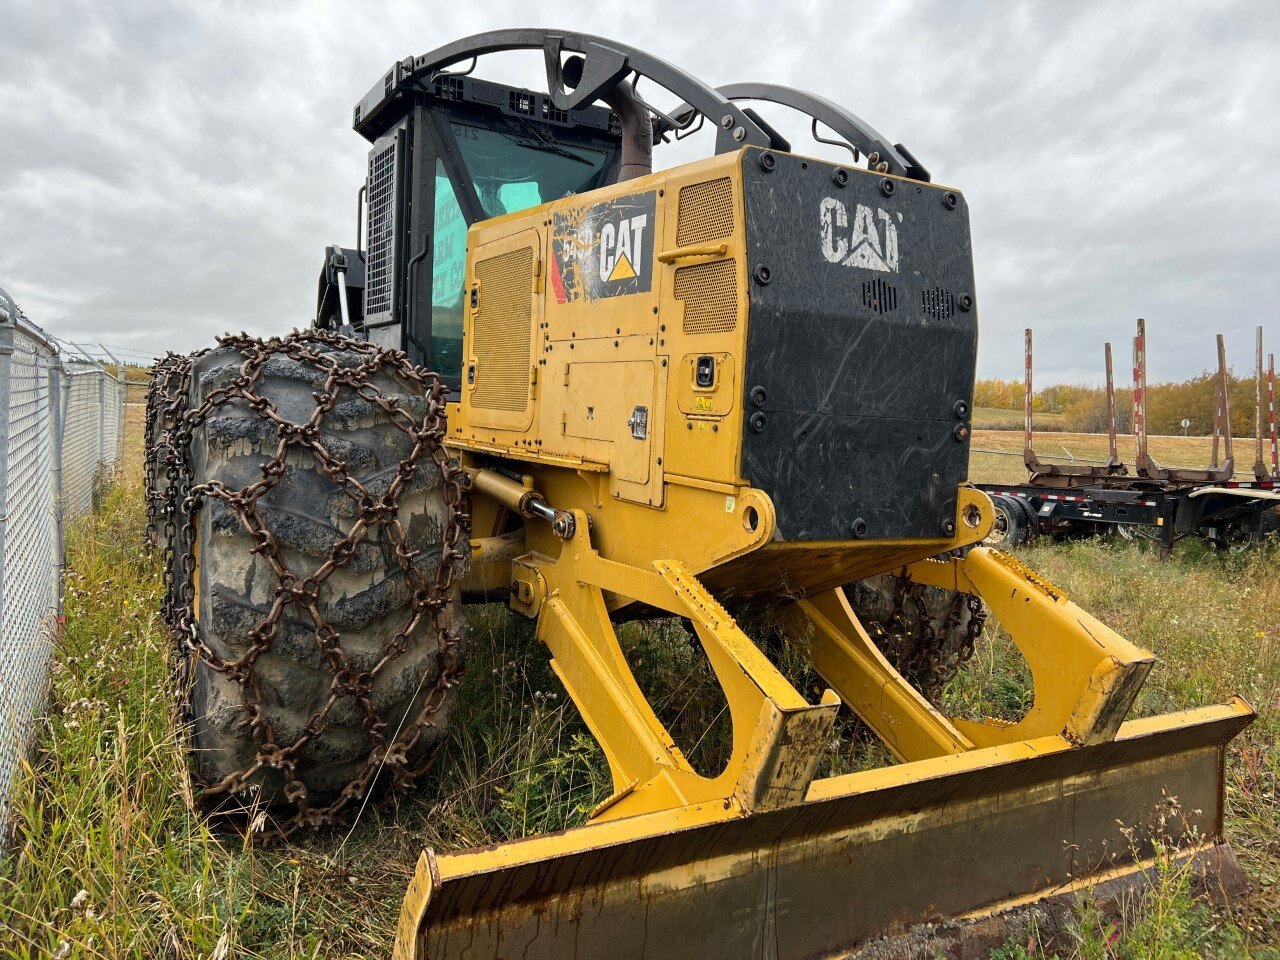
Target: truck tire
{"x": 1010, "y": 526}
{"x": 321, "y": 625}
{"x": 1031, "y": 528}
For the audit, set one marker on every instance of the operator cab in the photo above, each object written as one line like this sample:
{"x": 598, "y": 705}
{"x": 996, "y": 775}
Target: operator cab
{"x": 449, "y": 149}
{"x": 461, "y": 150}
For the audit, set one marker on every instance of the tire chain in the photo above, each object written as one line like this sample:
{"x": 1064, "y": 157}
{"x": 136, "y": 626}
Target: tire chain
{"x": 160, "y": 401}
{"x": 928, "y": 653}
{"x": 177, "y": 511}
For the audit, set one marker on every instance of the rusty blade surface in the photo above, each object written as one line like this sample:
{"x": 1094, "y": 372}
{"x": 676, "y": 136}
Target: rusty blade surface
{"x": 866, "y": 854}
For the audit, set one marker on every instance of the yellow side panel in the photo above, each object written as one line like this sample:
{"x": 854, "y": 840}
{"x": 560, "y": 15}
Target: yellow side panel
{"x": 611, "y": 401}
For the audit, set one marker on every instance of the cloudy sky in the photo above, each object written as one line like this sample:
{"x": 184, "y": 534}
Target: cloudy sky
{"x": 169, "y": 171}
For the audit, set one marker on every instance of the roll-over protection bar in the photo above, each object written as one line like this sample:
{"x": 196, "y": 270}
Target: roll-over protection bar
{"x": 604, "y": 64}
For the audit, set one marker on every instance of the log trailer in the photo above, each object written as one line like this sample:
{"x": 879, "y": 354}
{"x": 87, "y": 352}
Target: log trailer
{"x": 1159, "y": 503}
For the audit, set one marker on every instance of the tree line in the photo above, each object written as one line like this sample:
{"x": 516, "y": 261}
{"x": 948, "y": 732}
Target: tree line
{"x": 1083, "y": 409}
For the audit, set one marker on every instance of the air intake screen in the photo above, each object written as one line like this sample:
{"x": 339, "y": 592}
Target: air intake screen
{"x": 706, "y": 212}
{"x": 380, "y": 260}
{"x": 710, "y": 295}
{"x": 502, "y": 328}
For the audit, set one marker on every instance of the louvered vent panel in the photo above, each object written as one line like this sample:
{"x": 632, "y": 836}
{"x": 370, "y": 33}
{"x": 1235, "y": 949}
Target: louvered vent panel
{"x": 880, "y": 295}
{"x": 938, "y": 303}
{"x": 706, "y": 212}
{"x": 502, "y": 331}
{"x": 710, "y": 295}
{"x": 380, "y": 259}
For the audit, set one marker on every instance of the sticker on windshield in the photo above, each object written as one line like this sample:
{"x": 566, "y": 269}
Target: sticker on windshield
{"x": 604, "y": 250}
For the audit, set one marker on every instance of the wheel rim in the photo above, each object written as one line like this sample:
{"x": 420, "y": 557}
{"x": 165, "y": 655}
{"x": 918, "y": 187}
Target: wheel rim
{"x": 999, "y": 528}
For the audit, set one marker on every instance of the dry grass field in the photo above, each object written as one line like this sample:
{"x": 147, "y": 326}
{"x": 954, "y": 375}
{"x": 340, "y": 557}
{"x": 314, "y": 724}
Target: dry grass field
{"x": 108, "y": 861}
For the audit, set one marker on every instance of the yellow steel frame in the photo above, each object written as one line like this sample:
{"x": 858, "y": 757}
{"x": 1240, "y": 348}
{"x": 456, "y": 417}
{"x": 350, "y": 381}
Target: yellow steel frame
{"x": 660, "y": 514}
{"x": 1086, "y": 676}
{"x": 777, "y": 735}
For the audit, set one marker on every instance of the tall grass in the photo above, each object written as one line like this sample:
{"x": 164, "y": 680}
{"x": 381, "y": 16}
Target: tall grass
{"x": 1213, "y": 620}
{"x": 108, "y": 861}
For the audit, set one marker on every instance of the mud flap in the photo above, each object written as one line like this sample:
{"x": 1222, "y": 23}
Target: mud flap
{"x": 866, "y": 854}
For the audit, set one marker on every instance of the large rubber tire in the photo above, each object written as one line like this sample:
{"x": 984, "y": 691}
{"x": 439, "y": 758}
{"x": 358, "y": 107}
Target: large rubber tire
{"x": 1010, "y": 527}
{"x": 166, "y": 377}
{"x": 366, "y": 601}
{"x": 872, "y": 600}
{"x": 1031, "y": 530}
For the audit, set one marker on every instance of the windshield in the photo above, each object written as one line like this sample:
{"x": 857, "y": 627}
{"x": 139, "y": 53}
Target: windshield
{"x": 524, "y": 166}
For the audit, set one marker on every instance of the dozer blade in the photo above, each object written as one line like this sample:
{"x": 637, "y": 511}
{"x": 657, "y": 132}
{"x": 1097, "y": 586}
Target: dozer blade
{"x": 865, "y": 854}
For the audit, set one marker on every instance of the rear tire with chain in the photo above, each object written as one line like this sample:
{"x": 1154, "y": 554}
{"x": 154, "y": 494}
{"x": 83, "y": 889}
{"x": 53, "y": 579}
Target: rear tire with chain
{"x": 161, "y": 393}
{"x": 349, "y": 686}
{"x": 927, "y": 642}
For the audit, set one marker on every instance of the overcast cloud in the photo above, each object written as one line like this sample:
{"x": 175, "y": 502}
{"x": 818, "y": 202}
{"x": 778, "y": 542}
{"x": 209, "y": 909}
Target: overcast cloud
{"x": 170, "y": 171}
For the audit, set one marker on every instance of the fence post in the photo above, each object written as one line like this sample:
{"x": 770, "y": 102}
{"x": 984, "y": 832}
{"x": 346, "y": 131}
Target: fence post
{"x": 122, "y": 388}
{"x": 102, "y": 419}
{"x": 10, "y": 720}
{"x": 56, "y": 423}
{"x": 7, "y": 324}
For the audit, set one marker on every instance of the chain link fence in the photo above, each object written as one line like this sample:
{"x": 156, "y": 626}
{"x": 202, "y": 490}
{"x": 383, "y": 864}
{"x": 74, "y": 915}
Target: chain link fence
{"x": 61, "y": 427}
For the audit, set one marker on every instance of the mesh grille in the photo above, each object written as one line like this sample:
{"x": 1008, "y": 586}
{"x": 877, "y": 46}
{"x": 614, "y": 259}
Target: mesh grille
{"x": 503, "y": 329}
{"x": 710, "y": 295}
{"x": 706, "y": 212}
{"x": 382, "y": 191}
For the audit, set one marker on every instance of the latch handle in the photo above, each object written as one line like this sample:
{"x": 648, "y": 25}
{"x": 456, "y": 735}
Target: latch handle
{"x": 696, "y": 250}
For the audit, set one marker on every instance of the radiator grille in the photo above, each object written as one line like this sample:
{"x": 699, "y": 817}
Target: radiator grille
{"x": 710, "y": 295}
{"x": 503, "y": 329}
{"x": 706, "y": 212}
{"x": 380, "y": 260}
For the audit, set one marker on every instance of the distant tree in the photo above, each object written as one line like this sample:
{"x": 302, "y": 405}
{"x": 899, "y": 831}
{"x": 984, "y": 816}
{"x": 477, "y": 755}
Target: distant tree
{"x": 1083, "y": 408}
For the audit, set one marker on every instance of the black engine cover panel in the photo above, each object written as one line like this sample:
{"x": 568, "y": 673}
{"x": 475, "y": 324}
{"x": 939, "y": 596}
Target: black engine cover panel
{"x": 861, "y": 349}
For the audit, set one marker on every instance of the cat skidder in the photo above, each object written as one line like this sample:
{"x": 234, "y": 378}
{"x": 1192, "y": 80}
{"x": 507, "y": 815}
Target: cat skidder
{"x": 743, "y": 379}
